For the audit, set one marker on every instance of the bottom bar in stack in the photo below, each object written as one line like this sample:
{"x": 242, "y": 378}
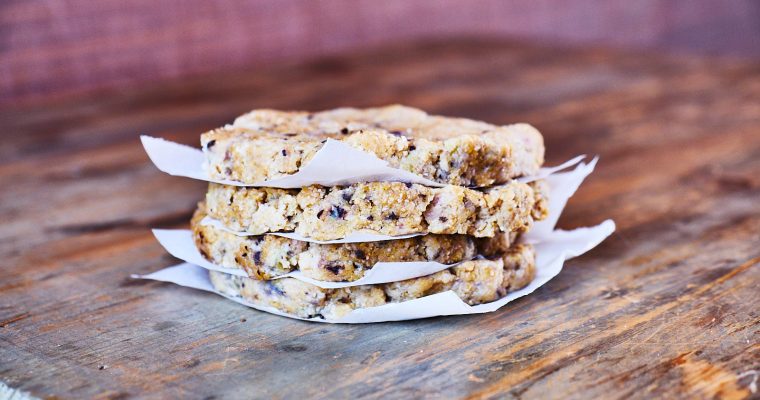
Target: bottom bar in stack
{"x": 475, "y": 282}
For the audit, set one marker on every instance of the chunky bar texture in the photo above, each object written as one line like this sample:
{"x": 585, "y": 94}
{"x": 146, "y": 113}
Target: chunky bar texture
{"x": 265, "y": 257}
{"x": 475, "y": 282}
{"x": 267, "y": 144}
{"x": 389, "y": 208}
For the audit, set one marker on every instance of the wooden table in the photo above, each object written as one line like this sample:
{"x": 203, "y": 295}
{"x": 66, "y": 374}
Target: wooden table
{"x": 668, "y": 306}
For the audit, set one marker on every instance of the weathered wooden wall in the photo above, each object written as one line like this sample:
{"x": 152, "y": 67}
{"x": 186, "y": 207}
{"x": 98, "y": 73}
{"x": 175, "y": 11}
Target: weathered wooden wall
{"x": 63, "y": 47}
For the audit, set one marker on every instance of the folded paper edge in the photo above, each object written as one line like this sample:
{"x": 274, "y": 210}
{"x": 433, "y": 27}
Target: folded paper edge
{"x": 386, "y": 172}
{"x": 460, "y": 308}
{"x": 371, "y": 277}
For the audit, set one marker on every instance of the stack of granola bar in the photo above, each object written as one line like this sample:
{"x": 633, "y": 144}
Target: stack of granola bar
{"x": 468, "y": 219}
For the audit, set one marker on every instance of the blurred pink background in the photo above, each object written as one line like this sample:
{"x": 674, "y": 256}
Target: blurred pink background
{"x": 54, "y": 48}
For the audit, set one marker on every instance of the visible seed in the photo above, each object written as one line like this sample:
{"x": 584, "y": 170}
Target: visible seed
{"x": 210, "y": 144}
{"x": 346, "y": 196}
{"x": 360, "y": 254}
{"x": 443, "y": 219}
{"x": 344, "y": 131}
{"x": 396, "y": 133}
{"x": 370, "y": 218}
{"x": 392, "y": 216}
{"x": 257, "y": 257}
{"x": 319, "y": 214}
{"x": 284, "y": 152}
{"x": 407, "y": 184}
{"x": 412, "y": 148}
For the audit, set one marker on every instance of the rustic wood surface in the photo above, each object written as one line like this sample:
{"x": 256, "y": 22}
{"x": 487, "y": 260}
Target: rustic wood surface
{"x": 64, "y": 47}
{"x": 668, "y": 306}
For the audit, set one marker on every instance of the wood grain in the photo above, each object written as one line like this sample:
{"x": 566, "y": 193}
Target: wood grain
{"x": 58, "y": 48}
{"x": 668, "y": 307}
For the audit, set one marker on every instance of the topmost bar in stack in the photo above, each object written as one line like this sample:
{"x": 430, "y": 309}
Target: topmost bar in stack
{"x": 269, "y": 144}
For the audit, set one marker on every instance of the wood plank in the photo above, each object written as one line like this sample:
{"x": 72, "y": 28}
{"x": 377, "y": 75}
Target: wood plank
{"x": 666, "y": 308}
{"x": 54, "y": 50}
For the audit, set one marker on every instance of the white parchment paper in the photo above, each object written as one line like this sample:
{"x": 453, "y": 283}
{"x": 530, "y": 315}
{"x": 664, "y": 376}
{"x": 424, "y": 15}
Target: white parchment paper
{"x": 553, "y": 248}
{"x": 551, "y": 255}
{"x": 355, "y": 166}
{"x": 561, "y": 187}
{"x": 179, "y": 243}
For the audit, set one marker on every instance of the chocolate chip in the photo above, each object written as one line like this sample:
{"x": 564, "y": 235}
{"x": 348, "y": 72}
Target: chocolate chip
{"x": 210, "y": 144}
{"x": 392, "y": 216}
{"x": 257, "y": 257}
{"x": 284, "y": 152}
{"x": 334, "y": 268}
{"x": 360, "y": 254}
{"x": 337, "y": 212}
{"x": 344, "y": 131}
{"x": 271, "y": 289}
